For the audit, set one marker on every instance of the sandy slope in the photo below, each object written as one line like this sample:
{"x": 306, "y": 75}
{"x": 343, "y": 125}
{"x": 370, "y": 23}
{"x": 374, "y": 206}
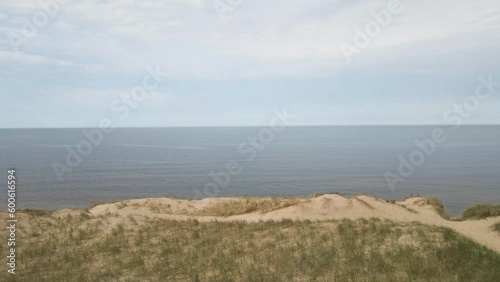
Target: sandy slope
{"x": 324, "y": 207}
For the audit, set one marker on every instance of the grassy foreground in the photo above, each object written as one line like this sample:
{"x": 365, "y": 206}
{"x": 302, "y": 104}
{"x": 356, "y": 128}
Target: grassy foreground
{"x": 108, "y": 248}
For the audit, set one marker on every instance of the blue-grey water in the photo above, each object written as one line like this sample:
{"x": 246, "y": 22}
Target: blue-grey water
{"x": 154, "y": 162}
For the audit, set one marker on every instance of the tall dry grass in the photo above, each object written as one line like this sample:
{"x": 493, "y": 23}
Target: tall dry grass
{"x": 110, "y": 248}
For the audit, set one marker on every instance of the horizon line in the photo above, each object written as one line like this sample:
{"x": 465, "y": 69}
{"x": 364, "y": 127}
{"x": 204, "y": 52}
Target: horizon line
{"x": 250, "y": 126}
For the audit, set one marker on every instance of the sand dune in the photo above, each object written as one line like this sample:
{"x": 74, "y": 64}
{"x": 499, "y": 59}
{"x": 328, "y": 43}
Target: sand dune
{"x": 330, "y": 206}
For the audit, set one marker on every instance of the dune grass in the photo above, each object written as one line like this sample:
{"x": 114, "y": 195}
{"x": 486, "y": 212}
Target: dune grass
{"x": 481, "y": 211}
{"x": 35, "y": 212}
{"x": 496, "y": 227}
{"x": 250, "y": 205}
{"x": 412, "y": 195}
{"x": 316, "y": 195}
{"x": 438, "y": 206}
{"x": 109, "y": 248}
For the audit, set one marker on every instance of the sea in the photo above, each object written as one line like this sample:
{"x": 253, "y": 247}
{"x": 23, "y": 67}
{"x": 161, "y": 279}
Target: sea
{"x": 60, "y": 168}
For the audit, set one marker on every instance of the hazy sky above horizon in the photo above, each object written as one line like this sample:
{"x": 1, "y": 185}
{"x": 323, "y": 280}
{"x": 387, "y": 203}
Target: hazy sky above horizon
{"x": 235, "y": 71}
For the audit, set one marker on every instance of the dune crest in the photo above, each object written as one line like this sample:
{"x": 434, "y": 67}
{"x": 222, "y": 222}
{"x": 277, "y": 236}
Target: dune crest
{"x": 324, "y": 207}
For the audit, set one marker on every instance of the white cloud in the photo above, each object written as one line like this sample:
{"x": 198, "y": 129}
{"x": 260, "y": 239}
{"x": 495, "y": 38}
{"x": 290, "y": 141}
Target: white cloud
{"x": 101, "y": 98}
{"x": 21, "y": 57}
{"x": 33, "y": 59}
{"x": 261, "y": 38}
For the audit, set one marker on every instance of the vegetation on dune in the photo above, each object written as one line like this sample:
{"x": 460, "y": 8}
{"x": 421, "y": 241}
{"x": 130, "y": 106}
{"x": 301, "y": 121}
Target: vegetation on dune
{"x": 316, "y": 195}
{"x": 35, "y": 212}
{"x": 364, "y": 203}
{"x": 109, "y": 248}
{"x": 412, "y": 195}
{"x": 481, "y": 211}
{"x": 496, "y": 226}
{"x": 438, "y": 206}
{"x": 250, "y": 205}
{"x": 98, "y": 203}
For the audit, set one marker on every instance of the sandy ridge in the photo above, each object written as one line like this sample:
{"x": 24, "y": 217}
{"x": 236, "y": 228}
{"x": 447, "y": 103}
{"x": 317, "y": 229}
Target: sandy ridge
{"x": 325, "y": 207}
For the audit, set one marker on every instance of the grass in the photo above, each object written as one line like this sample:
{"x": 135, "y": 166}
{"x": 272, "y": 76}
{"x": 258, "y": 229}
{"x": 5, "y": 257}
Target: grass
{"x": 410, "y": 209}
{"x": 355, "y": 196}
{"x": 365, "y": 203}
{"x": 438, "y": 206}
{"x": 412, "y": 195}
{"x": 250, "y": 205}
{"x": 98, "y": 203}
{"x": 35, "y": 212}
{"x": 109, "y": 248}
{"x": 481, "y": 211}
{"x": 316, "y": 195}
{"x": 496, "y": 227}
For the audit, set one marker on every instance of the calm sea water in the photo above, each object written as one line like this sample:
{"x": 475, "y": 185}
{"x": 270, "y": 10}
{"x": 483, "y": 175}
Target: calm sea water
{"x": 153, "y": 162}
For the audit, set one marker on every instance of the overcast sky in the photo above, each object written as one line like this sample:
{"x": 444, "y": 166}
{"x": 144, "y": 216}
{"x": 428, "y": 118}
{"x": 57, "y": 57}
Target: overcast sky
{"x": 235, "y": 66}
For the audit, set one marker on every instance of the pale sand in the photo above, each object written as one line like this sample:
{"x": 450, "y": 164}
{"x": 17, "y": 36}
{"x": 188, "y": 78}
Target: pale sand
{"x": 324, "y": 207}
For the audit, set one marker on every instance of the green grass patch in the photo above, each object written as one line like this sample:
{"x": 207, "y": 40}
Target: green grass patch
{"x": 115, "y": 249}
{"x": 481, "y": 211}
{"x": 35, "y": 212}
{"x": 496, "y": 227}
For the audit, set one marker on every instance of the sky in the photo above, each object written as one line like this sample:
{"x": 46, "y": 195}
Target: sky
{"x": 234, "y": 62}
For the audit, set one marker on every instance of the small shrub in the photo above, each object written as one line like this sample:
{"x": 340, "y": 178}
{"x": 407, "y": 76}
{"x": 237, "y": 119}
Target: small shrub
{"x": 496, "y": 226}
{"x": 85, "y": 216}
{"x": 35, "y": 212}
{"x": 481, "y": 211}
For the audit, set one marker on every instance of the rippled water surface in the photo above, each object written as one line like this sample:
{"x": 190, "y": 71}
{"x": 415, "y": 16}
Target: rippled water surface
{"x": 153, "y": 162}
